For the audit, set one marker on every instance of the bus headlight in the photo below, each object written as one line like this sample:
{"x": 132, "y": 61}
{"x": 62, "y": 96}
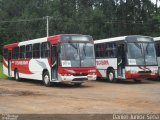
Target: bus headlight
{"x": 92, "y": 74}
{"x": 92, "y": 71}
{"x": 71, "y": 71}
{"x": 155, "y": 71}
{"x": 67, "y": 74}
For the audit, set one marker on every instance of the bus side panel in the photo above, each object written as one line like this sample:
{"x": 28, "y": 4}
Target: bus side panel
{"x": 31, "y": 69}
{"x": 5, "y": 67}
{"x": 103, "y": 64}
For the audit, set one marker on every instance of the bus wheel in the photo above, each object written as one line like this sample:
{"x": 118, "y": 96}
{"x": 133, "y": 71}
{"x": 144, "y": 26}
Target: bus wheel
{"x": 77, "y": 84}
{"x": 137, "y": 81}
{"x": 46, "y": 79}
{"x": 111, "y": 76}
{"x": 98, "y": 78}
{"x": 16, "y": 75}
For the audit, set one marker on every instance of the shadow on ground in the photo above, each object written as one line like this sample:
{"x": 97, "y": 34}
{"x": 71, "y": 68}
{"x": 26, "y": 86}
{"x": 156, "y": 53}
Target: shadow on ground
{"x": 128, "y": 82}
{"x": 60, "y": 85}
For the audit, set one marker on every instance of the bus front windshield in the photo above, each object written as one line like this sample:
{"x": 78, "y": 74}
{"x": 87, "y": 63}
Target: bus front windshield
{"x": 141, "y": 53}
{"x": 77, "y": 55}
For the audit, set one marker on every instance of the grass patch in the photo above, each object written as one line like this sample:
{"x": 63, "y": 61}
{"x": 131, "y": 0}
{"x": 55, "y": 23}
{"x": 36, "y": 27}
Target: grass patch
{"x": 2, "y": 76}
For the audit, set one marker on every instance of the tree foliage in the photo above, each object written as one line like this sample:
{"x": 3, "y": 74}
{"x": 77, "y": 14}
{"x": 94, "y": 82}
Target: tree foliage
{"x": 26, "y": 19}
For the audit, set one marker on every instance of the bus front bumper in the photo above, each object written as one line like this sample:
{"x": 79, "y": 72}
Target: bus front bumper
{"x": 141, "y": 76}
{"x": 76, "y": 79}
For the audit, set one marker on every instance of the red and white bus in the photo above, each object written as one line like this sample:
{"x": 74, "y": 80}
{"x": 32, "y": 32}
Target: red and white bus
{"x": 67, "y": 58}
{"x": 126, "y": 57}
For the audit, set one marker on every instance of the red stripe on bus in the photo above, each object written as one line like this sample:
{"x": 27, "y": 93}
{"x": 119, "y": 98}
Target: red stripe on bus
{"x": 11, "y": 46}
{"x": 98, "y": 73}
{"x": 4, "y": 63}
{"x": 22, "y": 66}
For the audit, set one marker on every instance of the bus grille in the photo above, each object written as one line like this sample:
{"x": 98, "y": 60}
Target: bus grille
{"x": 79, "y": 79}
{"x": 144, "y": 72}
{"x": 83, "y": 74}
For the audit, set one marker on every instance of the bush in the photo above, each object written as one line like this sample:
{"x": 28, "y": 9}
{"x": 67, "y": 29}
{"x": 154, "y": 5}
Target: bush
{"x": 0, "y": 58}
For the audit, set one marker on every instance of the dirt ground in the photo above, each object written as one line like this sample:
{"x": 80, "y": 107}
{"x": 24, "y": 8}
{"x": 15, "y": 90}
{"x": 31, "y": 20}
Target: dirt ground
{"x": 30, "y": 97}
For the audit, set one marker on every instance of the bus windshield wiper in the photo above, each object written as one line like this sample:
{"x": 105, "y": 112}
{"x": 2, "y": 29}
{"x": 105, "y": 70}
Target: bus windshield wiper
{"x": 74, "y": 46}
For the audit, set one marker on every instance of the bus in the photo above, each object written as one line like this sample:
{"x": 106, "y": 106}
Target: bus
{"x": 126, "y": 57}
{"x": 66, "y": 58}
{"x": 157, "y": 45}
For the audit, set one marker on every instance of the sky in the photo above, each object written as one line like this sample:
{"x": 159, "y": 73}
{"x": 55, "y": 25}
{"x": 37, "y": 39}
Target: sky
{"x": 154, "y": 1}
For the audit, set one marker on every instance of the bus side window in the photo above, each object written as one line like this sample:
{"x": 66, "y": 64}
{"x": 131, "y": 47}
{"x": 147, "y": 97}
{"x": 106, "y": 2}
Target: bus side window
{"x": 15, "y": 53}
{"x": 100, "y": 48}
{"x": 36, "y": 50}
{"x": 96, "y": 51}
{"x": 29, "y": 51}
{"x": 45, "y": 50}
{"x": 22, "y": 52}
{"x": 97, "y": 47}
{"x": 5, "y": 54}
{"x": 110, "y": 50}
{"x": 157, "y": 45}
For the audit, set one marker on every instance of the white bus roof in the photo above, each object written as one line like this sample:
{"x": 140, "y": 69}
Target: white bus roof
{"x": 110, "y": 39}
{"x": 117, "y": 39}
{"x": 33, "y": 41}
{"x": 156, "y": 38}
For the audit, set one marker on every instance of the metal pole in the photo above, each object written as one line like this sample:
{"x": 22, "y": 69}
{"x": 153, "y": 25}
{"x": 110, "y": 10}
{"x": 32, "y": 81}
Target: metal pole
{"x": 47, "y": 17}
{"x": 156, "y": 6}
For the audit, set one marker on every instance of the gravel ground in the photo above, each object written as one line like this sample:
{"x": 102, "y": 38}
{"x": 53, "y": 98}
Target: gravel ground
{"x": 93, "y": 97}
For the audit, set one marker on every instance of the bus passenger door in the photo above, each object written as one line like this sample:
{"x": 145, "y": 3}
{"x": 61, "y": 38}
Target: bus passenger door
{"x": 54, "y": 62}
{"x": 120, "y": 60}
{"x": 9, "y": 64}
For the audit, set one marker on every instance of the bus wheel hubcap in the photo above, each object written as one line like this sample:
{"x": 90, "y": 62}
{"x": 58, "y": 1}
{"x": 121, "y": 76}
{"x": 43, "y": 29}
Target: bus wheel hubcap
{"x": 46, "y": 79}
{"x": 111, "y": 76}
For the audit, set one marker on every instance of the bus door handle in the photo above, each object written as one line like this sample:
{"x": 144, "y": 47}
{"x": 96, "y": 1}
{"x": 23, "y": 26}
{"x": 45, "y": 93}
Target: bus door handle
{"x": 120, "y": 62}
{"x": 54, "y": 64}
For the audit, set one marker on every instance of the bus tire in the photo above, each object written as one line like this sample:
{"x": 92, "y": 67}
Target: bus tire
{"x": 111, "y": 76}
{"x": 77, "y": 84}
{"x": 46, "y": 79}
{"x": 98, "y": 78}
{"x": 137, "y": 81}
{"x": 16, "y": 75}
